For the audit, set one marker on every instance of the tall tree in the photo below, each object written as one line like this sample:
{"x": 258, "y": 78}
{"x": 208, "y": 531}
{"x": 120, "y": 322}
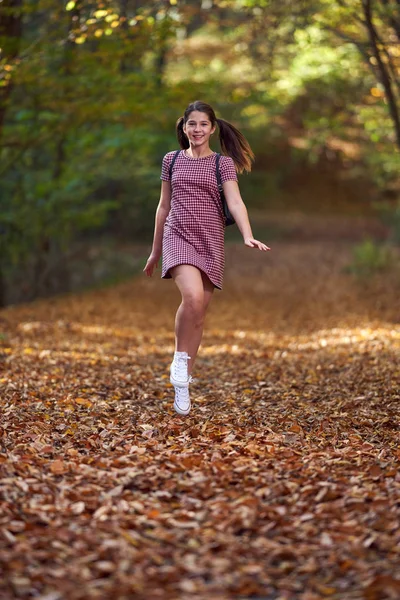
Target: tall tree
{"x": 380, "y": 49}
{"x": 373, "y": 26}
{"x": 10, "y": 43}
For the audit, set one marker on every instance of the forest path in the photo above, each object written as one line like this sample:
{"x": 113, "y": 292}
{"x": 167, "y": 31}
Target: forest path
{"x": 283, "y": 481}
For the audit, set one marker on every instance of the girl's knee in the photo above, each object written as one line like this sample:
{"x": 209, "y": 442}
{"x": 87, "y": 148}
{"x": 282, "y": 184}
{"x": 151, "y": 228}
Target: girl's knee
{"x": 194, "y": 304}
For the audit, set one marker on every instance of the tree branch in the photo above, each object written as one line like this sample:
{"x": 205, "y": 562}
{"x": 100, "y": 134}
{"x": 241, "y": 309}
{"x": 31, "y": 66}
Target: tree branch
{"x": 384, "y": 76}
{"x": 362, "y": 47}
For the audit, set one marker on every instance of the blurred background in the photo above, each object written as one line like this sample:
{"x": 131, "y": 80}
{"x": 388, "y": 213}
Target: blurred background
{"x": 90, "y": 92}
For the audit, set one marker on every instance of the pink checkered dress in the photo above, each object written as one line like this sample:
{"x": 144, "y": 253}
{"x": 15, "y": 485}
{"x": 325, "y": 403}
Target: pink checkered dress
{"x": 194, "y": 229}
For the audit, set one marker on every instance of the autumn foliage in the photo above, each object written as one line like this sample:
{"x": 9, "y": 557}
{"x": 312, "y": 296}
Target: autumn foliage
{"x": 282, "y": 483}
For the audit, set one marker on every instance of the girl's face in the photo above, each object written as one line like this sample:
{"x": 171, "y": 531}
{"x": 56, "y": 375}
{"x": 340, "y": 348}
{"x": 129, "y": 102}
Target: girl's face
{"x": 198, "y": 128}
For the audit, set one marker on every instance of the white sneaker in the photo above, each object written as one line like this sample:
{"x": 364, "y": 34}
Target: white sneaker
{"x": 182, "y": 400}
{"x": 179, "y": 370}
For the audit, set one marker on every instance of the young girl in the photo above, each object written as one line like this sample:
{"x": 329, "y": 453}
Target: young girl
{"x": 189, "y": 228}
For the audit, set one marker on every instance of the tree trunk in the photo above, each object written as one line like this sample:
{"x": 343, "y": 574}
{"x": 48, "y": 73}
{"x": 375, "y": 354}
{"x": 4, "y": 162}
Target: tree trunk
{"x": 10, "y": 35}
{"x": 123, "y": 11}
{"x": 197, "y": 18}
{"x": 3, "y": 288}
{"x": 382, "y": 69}
{"x": 50, "y": 273}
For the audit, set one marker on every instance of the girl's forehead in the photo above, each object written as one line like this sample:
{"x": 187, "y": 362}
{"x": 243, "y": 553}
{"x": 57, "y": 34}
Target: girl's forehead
{"x": 196, "y": 115}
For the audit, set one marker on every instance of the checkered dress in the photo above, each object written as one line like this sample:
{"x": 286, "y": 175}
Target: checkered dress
{"x": 194, "y": 229}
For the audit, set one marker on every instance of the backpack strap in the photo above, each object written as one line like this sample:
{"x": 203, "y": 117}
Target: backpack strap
{"x": 218, "y": 174}
{"x": 175, "y": 156}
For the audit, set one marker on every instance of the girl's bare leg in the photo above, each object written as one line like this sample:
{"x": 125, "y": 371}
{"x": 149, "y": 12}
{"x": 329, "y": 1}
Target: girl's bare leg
{"x": 196, "y": 291}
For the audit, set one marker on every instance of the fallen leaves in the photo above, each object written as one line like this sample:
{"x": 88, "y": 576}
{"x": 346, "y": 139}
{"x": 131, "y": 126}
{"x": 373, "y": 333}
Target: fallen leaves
{"x": 282, "y": 483}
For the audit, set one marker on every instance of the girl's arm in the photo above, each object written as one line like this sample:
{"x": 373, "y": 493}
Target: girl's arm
{"x": 239, "y": 213}
{"x": 162, "y": 211}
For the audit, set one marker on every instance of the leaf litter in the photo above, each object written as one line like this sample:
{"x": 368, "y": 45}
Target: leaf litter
{"x": 282, "y": 483}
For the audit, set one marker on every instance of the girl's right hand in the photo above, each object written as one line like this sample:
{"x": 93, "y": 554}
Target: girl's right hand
{"x": 152, "y": 263}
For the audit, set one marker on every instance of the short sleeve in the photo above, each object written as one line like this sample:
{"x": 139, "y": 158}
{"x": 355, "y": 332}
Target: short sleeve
{"x": 165, "y": 166}
{"x": 227, "y": 169}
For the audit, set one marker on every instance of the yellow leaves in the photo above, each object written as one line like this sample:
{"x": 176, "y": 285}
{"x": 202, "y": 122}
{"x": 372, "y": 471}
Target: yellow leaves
{"x": 112, "y": 17}
{"x": 99, "y": 14}
{"x": 326, "y": 590}
{"x": 377, "y": 92}
{"x": 70, "y": 5}
{"x": 84, "y": 402}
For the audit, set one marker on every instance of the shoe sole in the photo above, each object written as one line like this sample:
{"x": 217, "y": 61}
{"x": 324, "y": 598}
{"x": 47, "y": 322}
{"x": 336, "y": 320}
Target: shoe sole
{"x": 180, "y": 411}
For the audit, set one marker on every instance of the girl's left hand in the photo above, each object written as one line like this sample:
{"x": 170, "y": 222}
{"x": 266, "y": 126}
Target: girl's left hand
{"x": 252, "y": 243}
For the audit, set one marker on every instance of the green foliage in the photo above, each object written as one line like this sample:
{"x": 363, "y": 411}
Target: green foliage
{"x": 94, "y": 89}
{"x": 390, "y": 215}
{"x": 74, "y": 149}
{"x": 369, "y": 258}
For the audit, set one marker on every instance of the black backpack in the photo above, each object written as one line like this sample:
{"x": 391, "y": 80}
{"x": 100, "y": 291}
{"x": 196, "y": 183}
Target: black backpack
{"x": 229, "y": 220}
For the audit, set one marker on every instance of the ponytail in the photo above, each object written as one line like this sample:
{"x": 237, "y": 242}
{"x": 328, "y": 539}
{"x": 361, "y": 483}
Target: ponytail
{"x": 234, "y": 144}
{"x": 181, "y": 135}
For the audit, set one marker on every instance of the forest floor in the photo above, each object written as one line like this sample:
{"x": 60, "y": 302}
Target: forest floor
{"x": 282, "y": 483}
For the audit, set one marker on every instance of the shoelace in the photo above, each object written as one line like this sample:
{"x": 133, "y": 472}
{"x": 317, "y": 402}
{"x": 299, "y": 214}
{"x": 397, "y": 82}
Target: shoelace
{"x": 181, "y": 367}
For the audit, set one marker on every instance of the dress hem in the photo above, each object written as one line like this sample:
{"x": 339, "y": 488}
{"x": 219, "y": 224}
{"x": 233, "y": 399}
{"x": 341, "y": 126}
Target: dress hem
{"x": 167, "y": 274}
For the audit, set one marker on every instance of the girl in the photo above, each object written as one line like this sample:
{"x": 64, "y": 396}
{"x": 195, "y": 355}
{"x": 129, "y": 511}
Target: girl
{"x": 189, "y": 228}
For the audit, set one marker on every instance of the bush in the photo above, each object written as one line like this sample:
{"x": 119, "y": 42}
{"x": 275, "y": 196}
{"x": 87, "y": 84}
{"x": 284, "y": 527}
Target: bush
{"x": 369, "y": 258}
{"x": 390, "y": 216}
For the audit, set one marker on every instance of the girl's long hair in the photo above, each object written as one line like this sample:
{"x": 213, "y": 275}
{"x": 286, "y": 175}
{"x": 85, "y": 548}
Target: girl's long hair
{"x": 233, "y": 143}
